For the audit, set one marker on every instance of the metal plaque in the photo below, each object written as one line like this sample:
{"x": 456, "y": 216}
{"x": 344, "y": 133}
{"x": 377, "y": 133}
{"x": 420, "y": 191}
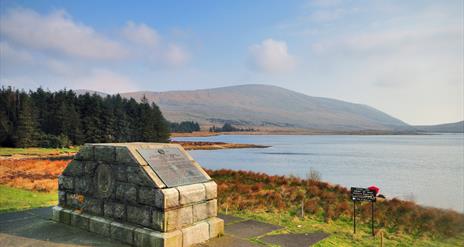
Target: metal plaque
{"x": 362, "y": 194}
{"x": 172, "y": 166}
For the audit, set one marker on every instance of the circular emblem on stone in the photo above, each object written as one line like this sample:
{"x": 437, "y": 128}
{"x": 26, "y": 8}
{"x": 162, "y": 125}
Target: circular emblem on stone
{"x": 104, "y": 180}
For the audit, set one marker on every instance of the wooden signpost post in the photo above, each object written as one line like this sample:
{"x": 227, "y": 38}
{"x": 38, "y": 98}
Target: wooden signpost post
{"x": 359, "y": 195}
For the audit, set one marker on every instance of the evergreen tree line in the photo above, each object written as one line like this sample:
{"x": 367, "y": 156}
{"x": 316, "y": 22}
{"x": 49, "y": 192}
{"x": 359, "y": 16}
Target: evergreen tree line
{"x": 57, "y": 119}
{"x": 184, "y": 127}
{"x": 227, "y": 127}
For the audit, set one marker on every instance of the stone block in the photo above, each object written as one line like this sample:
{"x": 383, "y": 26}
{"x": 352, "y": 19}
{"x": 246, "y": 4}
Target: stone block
{"x": 166, "y": 198}
{"x": 126, "y": 193}
{"x": 185, "y": 216}
{"x": 62, "y": 198}
{"x": 89, "y": 167}
{"x": 147, "y": 196}
{"x": 200, "y": 211}
{"x": 165, "y": 221}
{"x": 65, "y": 216}
{"x": 114, "y": 210}
{"x": 80, "y": 220}
{"x": 204, "y": 210}
{"x": 211, "y": 190}
{"x": 93, "y": 206}
{"x": 108, "y": 209}
{"x": 100, "y": 225}
{"x": 56, "y": 213}
{"x": 195, "y": 234}
{"x": 122, "y": 232}
{"x": 139, "y": 215}
{"x": 82, "y": 185}
{"x": 105, "y": 153}
{"x": 216, "y": 227}
{"x": 65, "y": 182}
{"x": 85, "y": 153}
{"x": 146, "y": 237}
{"x": 191, "y": 194}
{"x": 158, "y": 220}
{"x": 136, "y": 175}
{"x": 120, "y": 173}
{"x": 172, "y": 239}
{"x": 74, "y": 168}
{"x": 211, "y": 208}
{"x": 119, "y": 211}
{"x": 123, "y": 156}
{"x": 75, "y": 201}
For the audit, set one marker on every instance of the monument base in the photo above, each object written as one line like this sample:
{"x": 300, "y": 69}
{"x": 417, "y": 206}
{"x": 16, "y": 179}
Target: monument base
{"x": 139, "y": 236}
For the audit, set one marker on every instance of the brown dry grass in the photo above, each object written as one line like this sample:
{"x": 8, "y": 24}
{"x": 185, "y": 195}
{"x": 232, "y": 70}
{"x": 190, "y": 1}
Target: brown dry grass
{"x": 259, "y": 192}
{"x": 31, "y": 174}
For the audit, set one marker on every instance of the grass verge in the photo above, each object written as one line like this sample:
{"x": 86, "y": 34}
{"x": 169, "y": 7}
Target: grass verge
{"x": 36, "y": 151}
{"x": 341, "y": 231}
{"x": 13, "y": 199}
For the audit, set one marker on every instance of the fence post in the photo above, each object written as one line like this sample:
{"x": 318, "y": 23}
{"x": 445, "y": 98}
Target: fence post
{"x": 354, "y": 217}
{"x": 302, "y": 209}
{"x": 372, "y": 219}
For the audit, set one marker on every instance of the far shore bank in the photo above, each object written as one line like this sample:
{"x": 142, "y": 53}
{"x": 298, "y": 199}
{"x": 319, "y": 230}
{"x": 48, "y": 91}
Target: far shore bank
{"x": 189, "y": 145}
{"x": 298, "y": 132}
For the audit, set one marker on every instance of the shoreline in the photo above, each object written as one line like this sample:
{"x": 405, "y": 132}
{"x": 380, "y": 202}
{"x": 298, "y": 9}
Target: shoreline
{"x": 200, "y": 145}
{"x": 298, "y": 132}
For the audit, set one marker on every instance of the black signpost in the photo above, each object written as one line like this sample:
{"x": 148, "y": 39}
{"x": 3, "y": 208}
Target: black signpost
{"x": 360, "y": 195}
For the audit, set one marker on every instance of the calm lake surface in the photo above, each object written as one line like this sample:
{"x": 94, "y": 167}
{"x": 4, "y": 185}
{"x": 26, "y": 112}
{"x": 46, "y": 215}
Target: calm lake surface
{"x": 426, "y": 168}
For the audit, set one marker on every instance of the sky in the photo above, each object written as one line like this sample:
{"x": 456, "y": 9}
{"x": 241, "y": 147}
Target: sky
{"x": 405, "y": 58}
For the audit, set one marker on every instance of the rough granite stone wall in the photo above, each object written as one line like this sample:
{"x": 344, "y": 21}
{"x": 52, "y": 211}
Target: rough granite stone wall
{"x": 111, "y": 182}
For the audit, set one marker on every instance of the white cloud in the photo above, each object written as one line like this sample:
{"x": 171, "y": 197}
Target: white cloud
{"x": 55, "y": 51}
{"x": 410, "y": 66}
{"x": 176, "y": 55}
{"x": 141, "y": 34}
{"x": 9, "y": 54}
{"x": 57, "y": 32}
{"x": 390, "y": 39}
{"x": 272, "y": 56}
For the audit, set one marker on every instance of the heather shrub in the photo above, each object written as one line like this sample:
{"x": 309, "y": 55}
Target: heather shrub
{"x": 244, "y": 190}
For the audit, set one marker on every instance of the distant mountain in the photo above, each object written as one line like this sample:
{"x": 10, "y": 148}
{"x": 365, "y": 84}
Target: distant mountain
{"x": 457, "y": 127}
{"x": 268, "y": 107}
{"x": 84, "y": 91}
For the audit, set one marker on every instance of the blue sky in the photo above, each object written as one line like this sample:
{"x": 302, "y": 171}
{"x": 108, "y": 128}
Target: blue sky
{"x": 401, "y": 57}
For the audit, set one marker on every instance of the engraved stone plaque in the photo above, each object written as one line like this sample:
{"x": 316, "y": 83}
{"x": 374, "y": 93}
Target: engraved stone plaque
{"x": 104, "y": 180}
{"x": 172, "y": 166}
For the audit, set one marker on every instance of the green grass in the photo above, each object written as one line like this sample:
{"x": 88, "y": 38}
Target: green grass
{"x": 12, "y": 199}
{"x": 341, "y": 231}
{"x": 36, "y": 151}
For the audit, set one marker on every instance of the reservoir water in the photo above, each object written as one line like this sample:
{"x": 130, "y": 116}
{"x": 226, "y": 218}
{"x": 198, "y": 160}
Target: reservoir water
{"x": 428, "y": 169}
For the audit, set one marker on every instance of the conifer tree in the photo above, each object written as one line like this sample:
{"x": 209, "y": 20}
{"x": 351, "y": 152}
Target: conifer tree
{"x": 57, "y": 119}
{"x": 26, "y": 126}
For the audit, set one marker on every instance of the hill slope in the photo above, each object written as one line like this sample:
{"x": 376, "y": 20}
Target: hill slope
{"x": 457, "y": 127}
{"x": 268, "y": 106}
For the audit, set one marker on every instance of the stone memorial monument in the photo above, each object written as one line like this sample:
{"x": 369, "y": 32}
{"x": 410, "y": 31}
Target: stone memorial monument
{"x": 143, "y": 194}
